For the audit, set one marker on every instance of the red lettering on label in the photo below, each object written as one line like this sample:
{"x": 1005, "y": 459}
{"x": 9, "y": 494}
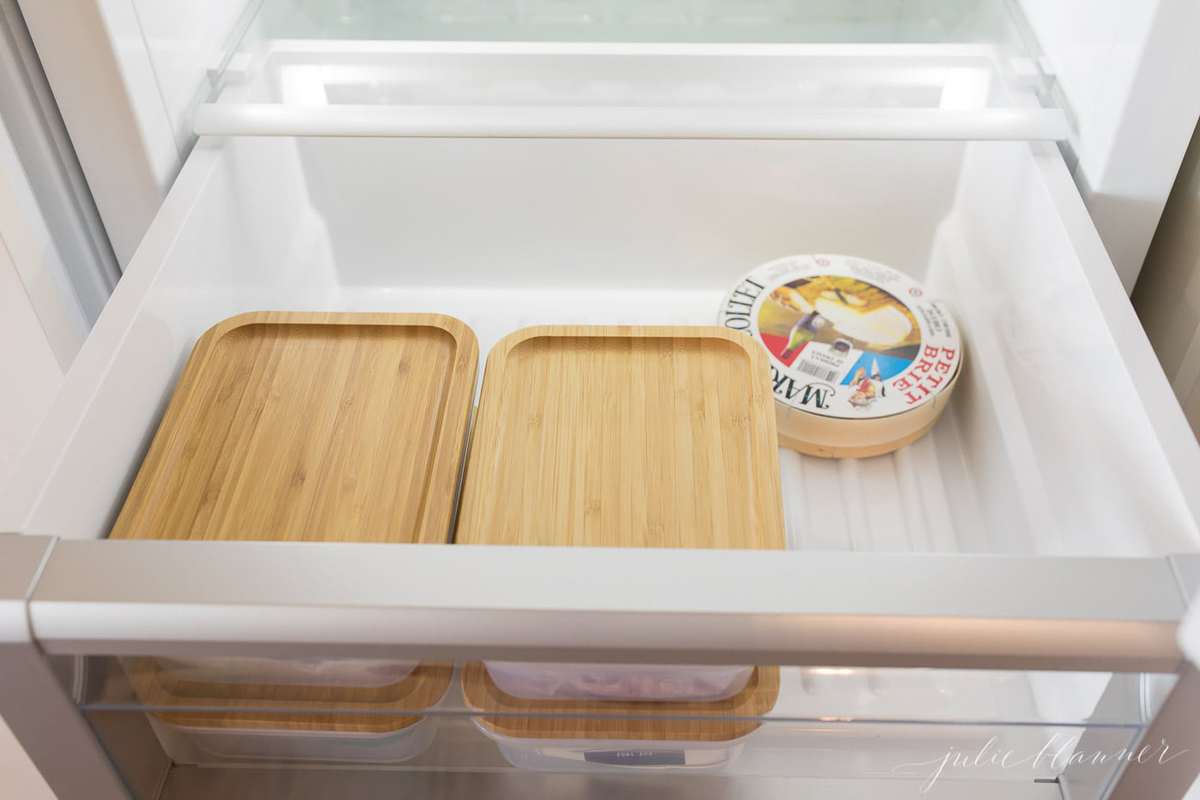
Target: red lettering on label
{"x": 942, "y": 366}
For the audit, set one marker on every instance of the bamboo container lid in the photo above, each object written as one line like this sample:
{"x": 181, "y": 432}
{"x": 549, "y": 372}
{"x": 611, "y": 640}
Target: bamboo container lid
{"x": 386, "y": 709}
{"x": 731, "y": 718}
{"x": 862, "y": 361}
{"x": 313, "y": 427}
{"x": 624, "y": 436}
{"x": 317, "y": 427}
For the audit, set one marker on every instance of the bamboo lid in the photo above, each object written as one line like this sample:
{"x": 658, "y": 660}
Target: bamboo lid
{"x": 319, "y": 427}
{"x": 388, "y": 708}
{"x": 731, "y": 718}
{"x": 624, "y": 436}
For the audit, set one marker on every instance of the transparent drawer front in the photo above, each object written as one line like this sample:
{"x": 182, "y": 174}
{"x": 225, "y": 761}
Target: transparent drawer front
{"x": 916, "y": 731}
{"x": 299, "y": 672}
{"x": 883, "y": 21}
{"x": 535, "y": 681}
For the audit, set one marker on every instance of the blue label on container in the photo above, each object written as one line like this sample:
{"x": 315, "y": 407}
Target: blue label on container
{"x": 641, "y": 758}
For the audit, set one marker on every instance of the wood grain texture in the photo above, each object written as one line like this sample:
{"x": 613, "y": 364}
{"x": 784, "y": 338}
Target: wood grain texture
{"x": 311, "y": 427}
{"x": 423, "y": 688}
{"x": 307, "y": 427}
{"x": 624, "y": 437}
{"x": 732, "y": 717}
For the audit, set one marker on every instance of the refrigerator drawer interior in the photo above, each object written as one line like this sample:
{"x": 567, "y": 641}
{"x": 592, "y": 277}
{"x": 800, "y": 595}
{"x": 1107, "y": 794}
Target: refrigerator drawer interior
{"x": 564, "y": 162}
{"x": 1060, "y": 438}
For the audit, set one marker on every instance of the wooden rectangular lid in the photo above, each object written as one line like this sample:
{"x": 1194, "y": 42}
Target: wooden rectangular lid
{"x": 383, "y": 709}
{"x": 322, "y": 427}
{"x": 624, "y": 437}
{"x": 731, "y": 718}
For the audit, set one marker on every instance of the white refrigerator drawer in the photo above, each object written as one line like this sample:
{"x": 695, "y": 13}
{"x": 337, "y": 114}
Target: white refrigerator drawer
{"x": 628, "y": 163}
{"x": 1063, "y": 438}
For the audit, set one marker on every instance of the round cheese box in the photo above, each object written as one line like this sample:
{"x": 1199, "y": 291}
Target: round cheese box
{"x": 862, "y": 360}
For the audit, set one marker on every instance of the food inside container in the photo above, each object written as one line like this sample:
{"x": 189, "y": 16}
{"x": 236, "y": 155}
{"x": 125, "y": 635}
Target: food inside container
{"x": 618, "y": 681}
{"x": 863, "y": 360}
{"x": 190, "y": 744}
{"x": 662, "y": 735}
{"x": 342, "y": 672}
{"x": 624, "y": 437}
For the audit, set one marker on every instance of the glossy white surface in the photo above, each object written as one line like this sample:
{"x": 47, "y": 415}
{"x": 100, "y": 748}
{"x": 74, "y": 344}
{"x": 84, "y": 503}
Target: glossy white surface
{"x": 633, "y": 122}
{"x": 56, "y": 180}
{"x": 1119, "y": 66}
{"x": 106, "y": 89}
{"x": 29, "y": 247}
{"x": 42, "y": 325}
{"x": 570, "y": 604}
{"x": 29, "y": 371}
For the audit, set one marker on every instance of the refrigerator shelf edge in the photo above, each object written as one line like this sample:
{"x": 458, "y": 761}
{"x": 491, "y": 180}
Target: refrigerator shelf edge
{"x": 265, "y": 119}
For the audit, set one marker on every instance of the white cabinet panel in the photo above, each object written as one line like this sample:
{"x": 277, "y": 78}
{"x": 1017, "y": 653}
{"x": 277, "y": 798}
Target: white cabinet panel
{"x": 1120, "y": 66}
{"x": 29, "y": 372}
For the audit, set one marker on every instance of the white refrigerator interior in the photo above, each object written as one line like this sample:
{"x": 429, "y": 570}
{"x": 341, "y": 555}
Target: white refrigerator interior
{"x": 514, "y": 164}
{"x": 130, "y": 73}
{"x": 509, "y": 232}
{"x": 505, "y": 233}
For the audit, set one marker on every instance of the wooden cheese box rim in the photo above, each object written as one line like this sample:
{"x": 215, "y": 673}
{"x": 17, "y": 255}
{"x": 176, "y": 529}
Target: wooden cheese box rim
{"x": 864, "y": 438}
{"x": 733, "y": 717}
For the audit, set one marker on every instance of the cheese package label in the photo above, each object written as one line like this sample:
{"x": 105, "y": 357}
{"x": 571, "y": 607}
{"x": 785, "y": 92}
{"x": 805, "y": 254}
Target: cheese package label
{"x": 848, "y": 338}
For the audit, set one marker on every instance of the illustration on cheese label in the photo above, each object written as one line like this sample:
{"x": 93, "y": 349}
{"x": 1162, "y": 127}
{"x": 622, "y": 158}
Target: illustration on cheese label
{"x": 848, "y": 337}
